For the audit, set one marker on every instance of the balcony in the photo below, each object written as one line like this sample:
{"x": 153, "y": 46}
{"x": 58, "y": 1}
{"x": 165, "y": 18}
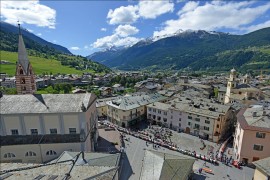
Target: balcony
{"x": 39, "y": 139}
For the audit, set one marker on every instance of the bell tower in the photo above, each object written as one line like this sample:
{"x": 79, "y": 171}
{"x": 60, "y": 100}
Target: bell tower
{"x": 25, "y": 78}
{"x": 231, "y": 85}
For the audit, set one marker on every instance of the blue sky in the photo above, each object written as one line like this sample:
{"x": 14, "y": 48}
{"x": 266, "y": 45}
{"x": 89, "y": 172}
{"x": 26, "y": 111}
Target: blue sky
{"x": 88, "y": 26}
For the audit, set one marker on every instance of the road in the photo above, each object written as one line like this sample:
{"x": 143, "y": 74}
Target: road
{"x": 133, "y": 159}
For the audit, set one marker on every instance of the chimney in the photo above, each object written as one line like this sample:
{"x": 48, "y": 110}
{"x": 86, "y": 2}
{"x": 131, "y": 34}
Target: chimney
{"x": 254, "y": 114}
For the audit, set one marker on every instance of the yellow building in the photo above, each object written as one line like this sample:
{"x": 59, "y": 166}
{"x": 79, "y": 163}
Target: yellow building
{"x": 128, "y": 110}
{"x": 262, "y": 171}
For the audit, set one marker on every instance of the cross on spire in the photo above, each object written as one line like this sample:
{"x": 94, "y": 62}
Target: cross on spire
{"x": 19, "y": 25}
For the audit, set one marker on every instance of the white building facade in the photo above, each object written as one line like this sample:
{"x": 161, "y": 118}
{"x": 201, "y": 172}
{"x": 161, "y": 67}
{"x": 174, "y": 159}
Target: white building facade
{"x": 207, "y": 120}
{"x": 38, "y": 128}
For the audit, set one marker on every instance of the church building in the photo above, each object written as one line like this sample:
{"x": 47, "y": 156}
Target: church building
{"x": 237, "y": 91}
{"x": 25, "y": 78}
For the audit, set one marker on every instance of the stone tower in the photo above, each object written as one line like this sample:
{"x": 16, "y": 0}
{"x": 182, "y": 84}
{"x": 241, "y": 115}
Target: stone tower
{"x": 231, "y": 85}
{"x": 25, "y": 78}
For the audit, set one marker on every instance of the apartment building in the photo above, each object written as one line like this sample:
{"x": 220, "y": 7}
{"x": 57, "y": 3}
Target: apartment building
{"x": 102, "y": 107}
{"x": 196, "y": 116}
{"x": 126, "y": 111}
{"x": 252, "y": 134}
{"x": 38, "y": 128}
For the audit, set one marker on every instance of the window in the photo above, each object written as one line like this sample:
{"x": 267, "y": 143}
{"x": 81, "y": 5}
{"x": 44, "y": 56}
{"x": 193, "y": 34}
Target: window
{"x": 258, "y": 147}
{"x": 207, "y": 122}
{"x": 179, "y": 119}
{"x": 189, "y": 123}
{"x": 50, "y": 153}
{"x": 9, "y": 155}
{"x": 207, "y": 118}
{"x": 171, "y": 117}
{"x": 217, "y": 125}
{"x": 53, "y": 131}
{"x": 158, "y": 118}
{"x": 165, "y": 119}
{"x": 159, "y": 111}
{"x": 197, "y": 119}
{"x": 22, "y": 80}
{"x": 34, "y": 132}
{"x": 154, "y": 110}
{"x": 206, "y": 128}
{"x": 196, "y": 126}
{"x": 165, "y": 113}
{"x": 179, "y": 124}
{"x": 189, "y": 117}
{"x": 72, "y": 130}
{"x": 14, "y": 132}
{"x": 260, "y": 135}
{"x": 21, "y": 71}
{"x": 30, "y": 153}
{"x": 149, "y": 109}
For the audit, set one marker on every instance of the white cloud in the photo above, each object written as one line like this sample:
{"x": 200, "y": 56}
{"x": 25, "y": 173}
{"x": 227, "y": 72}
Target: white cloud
{"x": 145, "y": 9}
{"x": 54, "y": 41}
{"x": 114, "y": 41}
{"x": 123, "y": 15}
{"x": 152, "y": 9}
{"x": 189, "y": 6}
{"x": 30, "y": 30}
{"x": 257, "y": 26}
{"x": 103, "y": 29}
{"x": 126, "y": 30}
{"x": 75, "y": 48}
{"x": 214, "y": 15}
{"x": 86, "y": 47}
{"x": 39, "y": 34}
{"x": 30, "y": 12}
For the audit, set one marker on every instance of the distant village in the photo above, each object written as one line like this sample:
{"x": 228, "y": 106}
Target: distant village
{"x": 52, "y": 135}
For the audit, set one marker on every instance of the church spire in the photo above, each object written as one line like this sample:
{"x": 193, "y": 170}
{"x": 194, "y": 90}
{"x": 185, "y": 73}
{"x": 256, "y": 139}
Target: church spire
{"x": 22, "y": 54}
{"x": 25, "y": 78}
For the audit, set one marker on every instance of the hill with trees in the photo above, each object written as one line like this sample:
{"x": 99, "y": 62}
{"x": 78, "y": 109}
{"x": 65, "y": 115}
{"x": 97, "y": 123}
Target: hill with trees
{"x": 195, "y": 50}
{"x": 44, "y": 56}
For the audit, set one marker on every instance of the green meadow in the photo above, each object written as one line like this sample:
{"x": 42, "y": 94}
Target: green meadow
{"x": 40, "y": 65}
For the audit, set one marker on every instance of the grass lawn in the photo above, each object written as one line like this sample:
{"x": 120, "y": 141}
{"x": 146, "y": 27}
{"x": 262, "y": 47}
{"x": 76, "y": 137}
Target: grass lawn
{"x": 40, "y": 65}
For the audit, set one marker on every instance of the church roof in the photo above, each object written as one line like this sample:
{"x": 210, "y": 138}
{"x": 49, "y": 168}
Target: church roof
{"x": 22, "y": 54}
{"x": 158, "y": 165}
{"x": 45, "y": 103}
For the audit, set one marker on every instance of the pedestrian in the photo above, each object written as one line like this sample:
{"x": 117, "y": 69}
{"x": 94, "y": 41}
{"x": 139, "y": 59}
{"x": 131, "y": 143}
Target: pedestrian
{"x": 204, "y": 163}
{"x": 200, "y": 170}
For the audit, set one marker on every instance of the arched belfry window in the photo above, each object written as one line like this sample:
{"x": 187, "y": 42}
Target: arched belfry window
{"x": 21, "y": 71}
{"x": 23, "y": 80}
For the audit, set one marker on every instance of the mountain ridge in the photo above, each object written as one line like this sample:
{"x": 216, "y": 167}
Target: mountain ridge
{"x": 6, "y": 27}
{"x": 181, "y": 49}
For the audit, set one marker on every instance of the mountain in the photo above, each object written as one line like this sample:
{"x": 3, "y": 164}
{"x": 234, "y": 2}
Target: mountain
{"x": 45, "y": 54}
{"x": 102, "y": 56}
{"x": 195, "y": 49}
{"x": 8, "y": 28}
